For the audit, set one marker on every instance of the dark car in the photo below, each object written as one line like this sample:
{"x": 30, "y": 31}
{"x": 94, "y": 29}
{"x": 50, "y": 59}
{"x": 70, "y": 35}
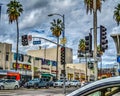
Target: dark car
{"x": 51, "y": 83}
{"x": 43, "y": 83}
{"x": 37, "y": 83}
{"x": 104, "y": 87}
{"x": 32, "y": 83}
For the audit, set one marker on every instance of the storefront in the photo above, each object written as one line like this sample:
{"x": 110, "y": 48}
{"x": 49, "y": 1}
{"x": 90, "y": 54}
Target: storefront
{"x": 48, "y": 76}
{"x": 3, "y": 73}
{"x": 70, "y": 76}
{"x": 13, "y": 75}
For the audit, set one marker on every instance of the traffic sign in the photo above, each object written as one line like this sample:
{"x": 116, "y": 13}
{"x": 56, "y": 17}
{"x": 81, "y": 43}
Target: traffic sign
{"x": 63, "y": 40}
{"x": 36, "y": 42}
{"x": 118, "y": 70}
{"x": 118, "y": 59}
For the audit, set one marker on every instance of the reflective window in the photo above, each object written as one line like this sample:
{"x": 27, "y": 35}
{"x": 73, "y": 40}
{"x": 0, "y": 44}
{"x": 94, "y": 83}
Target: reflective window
{"x": 111, "y": 91}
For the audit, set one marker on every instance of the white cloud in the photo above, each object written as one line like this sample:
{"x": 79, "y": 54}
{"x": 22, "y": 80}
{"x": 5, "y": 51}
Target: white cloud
{"x": 77, "y": 23}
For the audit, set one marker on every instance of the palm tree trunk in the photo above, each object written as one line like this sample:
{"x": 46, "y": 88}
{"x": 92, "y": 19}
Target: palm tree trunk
{"x": 17, "y": 43}
{"x": 57, "y": 59}
{"x": 95, "y": 38}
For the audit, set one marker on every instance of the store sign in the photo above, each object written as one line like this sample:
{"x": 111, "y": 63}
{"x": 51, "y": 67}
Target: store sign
{"x": 44, "y": 68}
{"x": 22, "y": 66}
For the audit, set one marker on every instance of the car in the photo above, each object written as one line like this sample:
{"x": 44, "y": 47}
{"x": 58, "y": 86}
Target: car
{"x": 9, "y": 84}
{"x": 32, "y": 83}
{"x": 37, "y": 83}
{"x": 75, "y": 83}
{"x": 104, "y": 87}
{"x": 51, "y": 83}
{"x": 60, "y": 83}
{"x": 43, "y": 83}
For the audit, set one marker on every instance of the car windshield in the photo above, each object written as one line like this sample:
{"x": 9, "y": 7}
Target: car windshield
{"x": 1, "y": 81}
{"x": 74, "y": 81}
{"x": 60, "y": 81}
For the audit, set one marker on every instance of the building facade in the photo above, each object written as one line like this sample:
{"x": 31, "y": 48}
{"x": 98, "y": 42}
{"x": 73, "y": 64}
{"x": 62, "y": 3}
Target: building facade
{"x": 38, "y": 63}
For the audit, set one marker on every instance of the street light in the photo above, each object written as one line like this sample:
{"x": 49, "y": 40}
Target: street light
{"x": 63, "y": 35}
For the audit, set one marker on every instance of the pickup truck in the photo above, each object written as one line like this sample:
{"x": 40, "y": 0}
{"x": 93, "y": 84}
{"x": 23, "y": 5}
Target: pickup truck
{"x": 37, "y": 83}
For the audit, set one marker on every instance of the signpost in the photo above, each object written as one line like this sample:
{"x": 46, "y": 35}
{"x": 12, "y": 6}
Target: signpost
{"x": 36, "y": 42}
{"x": 118, "y": 60}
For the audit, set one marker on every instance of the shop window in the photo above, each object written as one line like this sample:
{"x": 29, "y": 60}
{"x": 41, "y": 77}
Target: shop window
{"x": 7, "y": 56}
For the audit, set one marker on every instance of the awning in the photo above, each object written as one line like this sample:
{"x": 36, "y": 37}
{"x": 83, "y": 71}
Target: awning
{"x": 48, "y": 75}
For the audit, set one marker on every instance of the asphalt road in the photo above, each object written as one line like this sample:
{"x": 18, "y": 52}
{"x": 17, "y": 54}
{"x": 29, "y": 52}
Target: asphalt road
{"x": 37, "y": 92}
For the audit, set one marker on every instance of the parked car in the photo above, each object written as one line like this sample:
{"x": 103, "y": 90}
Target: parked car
{"x": 51, "y": 83}
{"x": 9, "y": 84}
{"x": 43, "y": 83}
{"x": 104, "y": 87}
{"x": 37, "y": 83}
{"x": 75, "y": 83}
{"x": 32, "y": 83}
{"x": 60, "y": 83}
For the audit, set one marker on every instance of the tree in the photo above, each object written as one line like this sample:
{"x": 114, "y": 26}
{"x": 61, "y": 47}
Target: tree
{"x": 117, "y": 14}
{"x": 82, "y": 45}
{"x": 57, "y": 28}
{"x": 14, "y": 11}
{"x": 99, "y": 52}
{"x": 89, "y": 5}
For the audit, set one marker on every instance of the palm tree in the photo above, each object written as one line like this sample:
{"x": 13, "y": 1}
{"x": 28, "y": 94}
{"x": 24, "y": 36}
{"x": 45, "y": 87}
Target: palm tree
{"x": 57, "y": 28}
{"x": 90, "y": 7}
{"x": 82, "y": 45}
{"x": 14, "y": 11}
{"x": 99, "y": 52}
{"x": 117, "y": 14}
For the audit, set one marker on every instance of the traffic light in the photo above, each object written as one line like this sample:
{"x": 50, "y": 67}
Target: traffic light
{"x": 88, "y": 43}
{"x": 24, "y": 40}
{"x": 62, "y": 55}
{"x": 90, "y": 65}
{"x": 103, "y": 39}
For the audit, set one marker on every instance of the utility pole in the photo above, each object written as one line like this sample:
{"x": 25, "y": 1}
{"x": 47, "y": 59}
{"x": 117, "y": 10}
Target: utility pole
{"x": 95, "y": 39}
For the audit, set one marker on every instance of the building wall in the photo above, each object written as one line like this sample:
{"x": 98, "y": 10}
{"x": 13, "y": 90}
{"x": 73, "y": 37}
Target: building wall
{"x": 37, "y": 65}
{"x": 50, "y": 54}
{"x": 5, "y": 55}
{"x": 80, "y": 70}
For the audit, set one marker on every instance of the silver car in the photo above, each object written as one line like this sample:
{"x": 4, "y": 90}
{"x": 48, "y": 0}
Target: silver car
{"x": 9, "y": 84}
{"x": 104, "y": 87}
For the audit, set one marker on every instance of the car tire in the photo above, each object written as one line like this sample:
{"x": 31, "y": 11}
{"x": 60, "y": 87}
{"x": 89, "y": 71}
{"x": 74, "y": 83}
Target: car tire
{"x": 16, "y": 87}
{"x": 35, "y": 86}
{"x": 1, "y": 87}
{"x": 28, "y": 87}
{"x": 47, "y": 87}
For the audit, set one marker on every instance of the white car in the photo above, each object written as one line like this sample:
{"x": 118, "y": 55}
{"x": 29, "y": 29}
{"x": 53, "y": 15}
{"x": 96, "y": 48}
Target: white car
{"x": 60, "y": 83}
{"x": 9, "y": 84}
{"x": 75, "y": 83}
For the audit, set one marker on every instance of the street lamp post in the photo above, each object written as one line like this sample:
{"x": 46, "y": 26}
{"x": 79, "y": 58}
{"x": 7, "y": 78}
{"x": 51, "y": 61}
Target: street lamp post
{"x": 63, "y": 35}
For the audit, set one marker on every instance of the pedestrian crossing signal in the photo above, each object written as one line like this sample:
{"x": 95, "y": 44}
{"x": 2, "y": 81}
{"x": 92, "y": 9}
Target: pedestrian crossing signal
{"x": 62, "y": 55}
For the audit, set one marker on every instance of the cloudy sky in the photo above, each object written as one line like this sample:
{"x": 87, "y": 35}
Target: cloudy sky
{"x": 35, "y": 21}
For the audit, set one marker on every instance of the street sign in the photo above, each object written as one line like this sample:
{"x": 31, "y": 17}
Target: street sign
{"x": 118, "y": 70}
{"x": 36, "y": 42}
{"x": 118, "y": 59}
{"x": 63, "y": 40}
